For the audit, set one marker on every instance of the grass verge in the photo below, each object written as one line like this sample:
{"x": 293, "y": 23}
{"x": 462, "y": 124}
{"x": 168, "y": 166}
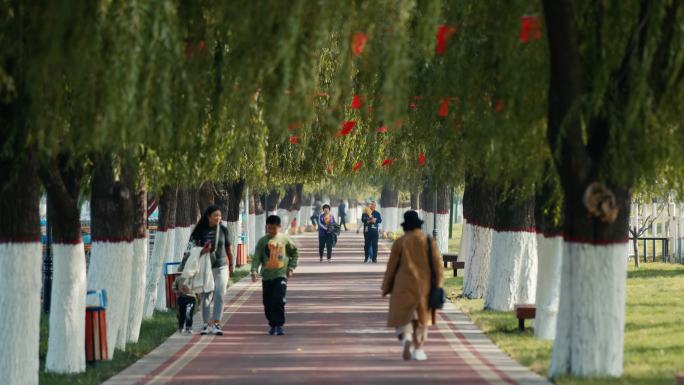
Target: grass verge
{"x": 654, "y": 328}
{"x": 152, "y": 333}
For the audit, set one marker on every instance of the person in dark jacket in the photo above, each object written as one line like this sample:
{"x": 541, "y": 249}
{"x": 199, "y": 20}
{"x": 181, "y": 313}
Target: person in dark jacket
{"x": 371, "y": 228}
{"x": 326, "y": 223}
{"x": 213, "y": 237}
{"x": 342, "y": 213}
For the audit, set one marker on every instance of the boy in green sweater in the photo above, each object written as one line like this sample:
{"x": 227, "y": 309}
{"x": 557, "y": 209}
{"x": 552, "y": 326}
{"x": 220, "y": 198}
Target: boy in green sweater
{"x": 277, "y": 256}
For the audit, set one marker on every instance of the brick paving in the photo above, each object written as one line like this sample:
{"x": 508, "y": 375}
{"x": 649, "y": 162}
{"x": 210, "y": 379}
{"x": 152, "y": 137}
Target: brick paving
{"x": 335, "y": 334}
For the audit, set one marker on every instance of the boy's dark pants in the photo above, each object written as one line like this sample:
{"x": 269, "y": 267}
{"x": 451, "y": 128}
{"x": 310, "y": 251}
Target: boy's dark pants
{"x": 325, "y": 242}
{"x": 186, "y": 309}
{"x": 343, "y": 222}
{"x": 274, "y": 301}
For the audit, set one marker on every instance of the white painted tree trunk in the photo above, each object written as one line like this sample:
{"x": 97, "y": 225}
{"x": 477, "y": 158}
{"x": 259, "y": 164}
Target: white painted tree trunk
{"x": 476, "y": 248}
{"x": 125, "y": 264}
{"x": 550, "y": 254}
{"x": 154, "y": 271}
{"x": 284, "y": 219}
{"x": 591, "y": 315}
{"x": 106, "y": 271}
{"x": 66, "y": 341}
{"x": 234, "y": 235}
{"x": 428, "y": 222}
{"x": 443, "y": 233}
{"x": 251, "y": 234}
{"x": 181, "y": 242}
{"x": 138, "y": 276}
{"x": 390, "y": 216}
{"x": 512, "y": 270}
{"x": 168, "y": 256}
{"x": 20, "y": 265}
{"x": 259, "y": 228}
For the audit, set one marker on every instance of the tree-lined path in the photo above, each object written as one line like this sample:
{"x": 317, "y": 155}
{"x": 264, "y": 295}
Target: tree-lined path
{"x": 335, "y": 334}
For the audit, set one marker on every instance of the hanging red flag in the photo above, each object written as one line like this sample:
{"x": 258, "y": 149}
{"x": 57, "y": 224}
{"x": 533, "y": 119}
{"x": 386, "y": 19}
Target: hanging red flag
{"x": 499, "y": 106}
{"x": 201, "y": 45}
{"x": 444, "y": 33}
{"x": 443, "y": 108}
{"x": 382, "y": 129}
{"x": 387, "y": 162}
{"x": 347, "y": 127}
{"x": 359, "y": 43}
{"x": 413, "y": 106}
{"x": 421, "y": 159}
{"x": 356, "y": 102}
{"x": 294, "y": 139}
{"x": 530, "y": 28}
{"x": 357, "y": 166}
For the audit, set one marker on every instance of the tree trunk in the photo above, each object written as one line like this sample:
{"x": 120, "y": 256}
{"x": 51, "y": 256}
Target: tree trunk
{"x": 167, "y": 215}
{"x": 479, "y": 202}
{"x": 228, "y": 196}
{"x": 513, "y": 260}
{"x": 251, "y": 231}
{"x": 272, "y": 202}
{"x": 635, "y": 246}
{"x": 205, "y": 197}
{"x": 259, "y": 217}
{"x": 66, "y": 341}
{"x": 20, "y": 250}
{"x": 415, "y": 201}
{"x": 389, "y": 208}
{"x": 441, "y": 215}
{"x": 140, "y": 264}
{"x": 285, "y": 207}
{"x": 185, "y": 219}
{"x": 550, "y": 254}
{"x": 112, "y": 219}
{"x": 590, "y": 327}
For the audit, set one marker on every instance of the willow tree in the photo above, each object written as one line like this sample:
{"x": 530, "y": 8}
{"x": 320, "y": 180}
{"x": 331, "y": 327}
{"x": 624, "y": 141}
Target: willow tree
{"x": 611, "y": 124}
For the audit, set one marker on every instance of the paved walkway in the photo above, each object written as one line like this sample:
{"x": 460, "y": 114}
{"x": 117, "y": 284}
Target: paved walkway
{"x": 335, "y": 334}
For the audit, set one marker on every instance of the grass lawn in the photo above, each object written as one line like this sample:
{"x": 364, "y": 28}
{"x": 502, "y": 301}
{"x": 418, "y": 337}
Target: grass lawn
{"x": 654, "y": 330}
{"x": 152, "y": 333}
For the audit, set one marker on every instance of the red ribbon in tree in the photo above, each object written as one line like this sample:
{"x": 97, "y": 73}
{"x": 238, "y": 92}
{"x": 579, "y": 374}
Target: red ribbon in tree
{"x": 530, "y": 28}
{"x": 294, "y": 139}
{"x": 359, "y": 43}
{"x": 294, "y": 125}
{"x": 421, "y": 159}
{"x": 356, "y": 102}
{"x": 499, "y": 106}
{"x": 347, "y": 127}
{"x": 201, "y": 45}
{"x": 387, "y": 162}
{"x": 357, "y": 166}
{"x": 444, "y": 33}
{"x": 382, "y": 129}
{"x": 443, "y": 108}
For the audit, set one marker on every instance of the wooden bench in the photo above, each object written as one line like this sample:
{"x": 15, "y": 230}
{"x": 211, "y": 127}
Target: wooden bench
{"x": 523, "y": 312}
{"x": 453, "y": 258}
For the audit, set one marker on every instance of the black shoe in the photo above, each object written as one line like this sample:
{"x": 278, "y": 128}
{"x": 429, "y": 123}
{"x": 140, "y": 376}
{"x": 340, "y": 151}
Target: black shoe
{"x": 321, "y": 259}
{"x": 272, "y": 331}
{"x": 375, "y": 261}
{"x": 279, "y": 330}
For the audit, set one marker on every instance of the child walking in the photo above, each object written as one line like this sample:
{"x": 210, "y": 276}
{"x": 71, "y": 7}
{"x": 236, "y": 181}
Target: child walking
{"x": 277, "y": 256}
{"x": 186, "y": 303}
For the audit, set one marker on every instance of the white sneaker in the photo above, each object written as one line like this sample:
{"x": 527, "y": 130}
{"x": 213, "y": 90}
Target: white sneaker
{"x": 216, "y": 330}
{"x": 205, "y": 330}
{"x": 419, "y": 355}
{"x": 406, "y": 354}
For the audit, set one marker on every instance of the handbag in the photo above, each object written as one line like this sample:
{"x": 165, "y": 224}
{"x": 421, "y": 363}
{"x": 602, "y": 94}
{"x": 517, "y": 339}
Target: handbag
{"x": 437, "y": 296}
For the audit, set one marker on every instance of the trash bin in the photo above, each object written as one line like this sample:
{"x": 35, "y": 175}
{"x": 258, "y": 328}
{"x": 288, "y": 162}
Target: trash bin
{"x": 96, "y": 326}
{"x": 171, "y": 272}
{"x": 241, "y": 255}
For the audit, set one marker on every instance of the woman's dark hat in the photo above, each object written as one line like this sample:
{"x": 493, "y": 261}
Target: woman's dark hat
{"x": 411, "y": 219}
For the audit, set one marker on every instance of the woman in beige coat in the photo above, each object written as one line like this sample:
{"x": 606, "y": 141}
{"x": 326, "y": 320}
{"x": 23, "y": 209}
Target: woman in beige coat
{"x": 407, "y": 279}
